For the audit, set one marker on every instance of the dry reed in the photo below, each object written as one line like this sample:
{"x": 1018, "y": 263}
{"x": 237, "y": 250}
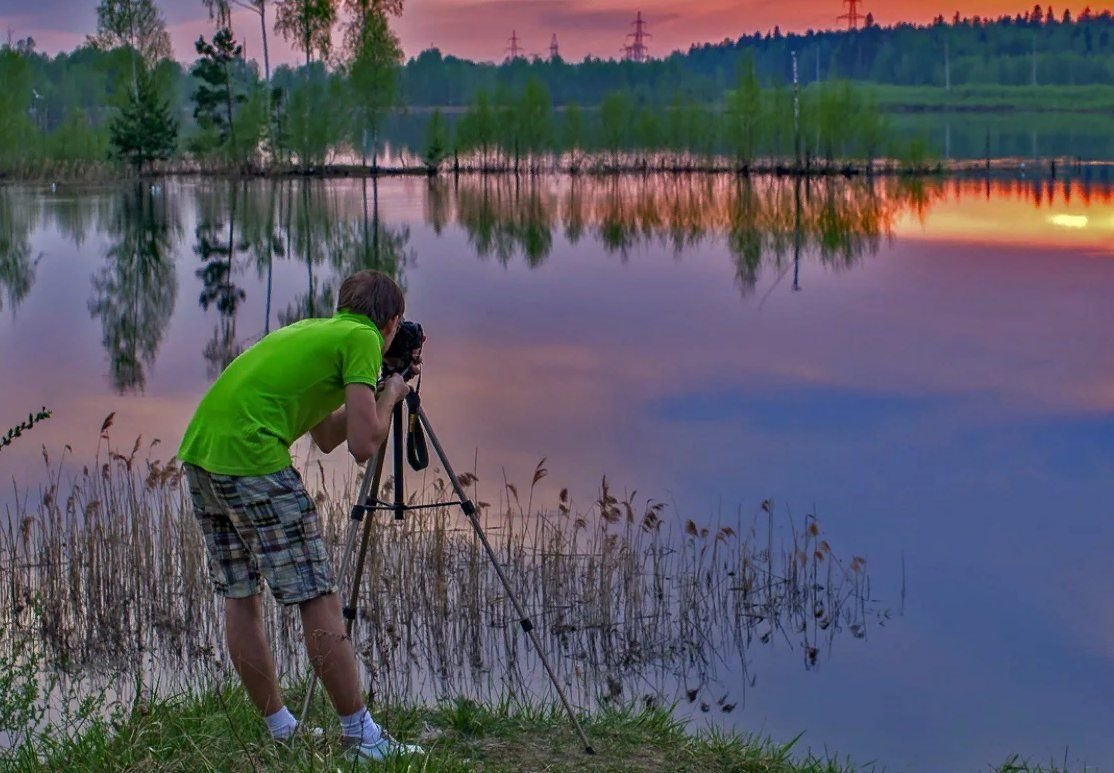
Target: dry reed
{"x": 106, "y": 569}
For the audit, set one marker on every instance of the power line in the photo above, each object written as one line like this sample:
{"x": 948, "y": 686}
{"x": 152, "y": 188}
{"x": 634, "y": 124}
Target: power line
{"x": 852, "y": 16}
{"x": 637, "y": 50}
{"x": 514, "y": 50}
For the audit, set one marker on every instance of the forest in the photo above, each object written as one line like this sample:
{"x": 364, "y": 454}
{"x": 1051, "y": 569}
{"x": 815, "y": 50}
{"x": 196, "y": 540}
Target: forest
{"x": 123, "y": 101}
{"x": 1036, "y": 48}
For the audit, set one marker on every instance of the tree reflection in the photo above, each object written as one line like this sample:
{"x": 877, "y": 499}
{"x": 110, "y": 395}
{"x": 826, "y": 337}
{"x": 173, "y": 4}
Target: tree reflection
{"x": 505, "y": 217}
{"x": 745, "y": 237}
{"x": 134, "y": 294}
{"x": 76, "y": 216}
{"x": 217, "y": 247}
{"x": 17, "y": 262}
{"x": 318, "y": 233}
{"x": 308, "y": 224}
{"x": 764, "y": 220}
{"x": 261, "y": 235}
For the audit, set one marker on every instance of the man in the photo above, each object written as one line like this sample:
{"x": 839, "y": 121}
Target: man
{"x": 318, "y": 375}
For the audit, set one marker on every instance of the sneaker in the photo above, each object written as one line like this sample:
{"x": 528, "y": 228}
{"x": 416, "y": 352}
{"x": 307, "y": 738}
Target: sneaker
{"x": 385, "y": 747}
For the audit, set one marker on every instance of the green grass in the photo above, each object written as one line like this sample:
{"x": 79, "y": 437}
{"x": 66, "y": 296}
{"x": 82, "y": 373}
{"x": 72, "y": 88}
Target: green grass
{"x": 1069, "y": 99}
{"x": 220, "y": 730}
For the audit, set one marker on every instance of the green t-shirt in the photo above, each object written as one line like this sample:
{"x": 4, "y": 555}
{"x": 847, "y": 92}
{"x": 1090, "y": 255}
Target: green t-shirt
{"x": 279, "y": 389}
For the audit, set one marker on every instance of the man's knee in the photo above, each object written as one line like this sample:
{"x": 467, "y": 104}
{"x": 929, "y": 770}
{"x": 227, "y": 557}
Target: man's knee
{"x": 245, "y": 607}
{"x": 322, "y": 604}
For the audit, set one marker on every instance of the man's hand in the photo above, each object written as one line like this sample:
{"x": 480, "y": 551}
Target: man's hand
{"x": 416, "y": 364}
{"x": 368, "y": 415}
{"x": 393, "y": 389}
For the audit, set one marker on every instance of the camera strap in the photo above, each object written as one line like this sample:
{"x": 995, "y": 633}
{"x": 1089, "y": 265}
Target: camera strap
{"x": 416, "y": 452}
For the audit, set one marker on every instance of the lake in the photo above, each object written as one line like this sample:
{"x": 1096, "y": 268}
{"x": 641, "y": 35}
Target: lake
{"x": 925, "y": 365}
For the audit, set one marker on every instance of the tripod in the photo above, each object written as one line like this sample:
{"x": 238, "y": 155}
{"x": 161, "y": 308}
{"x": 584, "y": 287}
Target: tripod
{"x": 368, "y": 502}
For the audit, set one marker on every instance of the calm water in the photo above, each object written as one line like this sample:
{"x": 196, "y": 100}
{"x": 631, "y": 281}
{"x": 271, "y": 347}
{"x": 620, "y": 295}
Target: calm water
{"x": 960, "y": 136}
{"x": 926, "y": 366}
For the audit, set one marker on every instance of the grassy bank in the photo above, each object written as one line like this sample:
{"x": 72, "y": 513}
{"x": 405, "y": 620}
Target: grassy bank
{"x": 991, "y": 98}
{"x": 219, "y": 730}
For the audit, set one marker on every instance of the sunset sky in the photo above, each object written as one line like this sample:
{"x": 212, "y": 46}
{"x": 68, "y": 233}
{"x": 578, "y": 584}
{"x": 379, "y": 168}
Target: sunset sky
{"x": 479, "y": 29}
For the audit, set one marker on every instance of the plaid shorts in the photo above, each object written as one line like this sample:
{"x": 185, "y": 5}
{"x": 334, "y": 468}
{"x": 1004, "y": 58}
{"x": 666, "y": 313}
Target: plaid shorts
{"x": 261, "y": 528}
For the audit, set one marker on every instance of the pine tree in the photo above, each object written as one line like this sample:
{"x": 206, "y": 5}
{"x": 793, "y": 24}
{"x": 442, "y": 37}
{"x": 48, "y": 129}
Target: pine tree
{"x": 216, "y": 99}
{"x": 143, "y": 130}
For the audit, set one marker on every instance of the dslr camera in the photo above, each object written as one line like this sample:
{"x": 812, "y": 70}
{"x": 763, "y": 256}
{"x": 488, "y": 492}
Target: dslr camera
{"x": 400, "y": 356}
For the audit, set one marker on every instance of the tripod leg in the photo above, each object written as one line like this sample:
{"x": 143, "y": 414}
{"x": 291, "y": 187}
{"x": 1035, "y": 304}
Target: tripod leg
{"x": 369, "y": 492}
{"x": 400, "y": 497}
{"x": 354, "y": 594}
{"x": 527, "y": 626}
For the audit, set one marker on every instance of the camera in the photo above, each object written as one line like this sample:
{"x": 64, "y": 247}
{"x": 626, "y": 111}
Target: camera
{"x": 400, "y": 356}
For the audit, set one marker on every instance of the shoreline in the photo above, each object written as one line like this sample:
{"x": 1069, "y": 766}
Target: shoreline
{"x": 218, "y": 728}
{"x": 1051, "y": 166}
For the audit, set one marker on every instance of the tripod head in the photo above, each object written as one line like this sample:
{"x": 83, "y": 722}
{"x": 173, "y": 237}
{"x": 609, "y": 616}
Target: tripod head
{"x": 408, "y": 342}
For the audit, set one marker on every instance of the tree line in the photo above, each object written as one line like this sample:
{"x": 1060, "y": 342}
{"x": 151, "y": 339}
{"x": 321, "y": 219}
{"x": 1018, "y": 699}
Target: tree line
{"x": 754, "y": 125}
{"x": 122, "y": 96}
{"x": 1017, "y": 50}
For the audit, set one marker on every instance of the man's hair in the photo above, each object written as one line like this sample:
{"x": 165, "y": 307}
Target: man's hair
{"x": 373, "y": 294}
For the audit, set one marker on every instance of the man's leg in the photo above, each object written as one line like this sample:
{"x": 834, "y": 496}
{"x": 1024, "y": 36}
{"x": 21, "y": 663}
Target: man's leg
{"x": 251, "y": 652}
{"x": 331, "y": 652}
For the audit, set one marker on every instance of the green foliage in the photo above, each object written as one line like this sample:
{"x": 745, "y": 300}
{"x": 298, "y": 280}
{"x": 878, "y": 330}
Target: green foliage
{"x": 313, "y": 116}
{"x": 713, "y": 103}
{"x": 508, "y": 123}
{"x": 436, "y": 142}
{"x": 372, "y": 84}
{"x": 137, "y": 25}
{"x": 745, "y": 120}
{"x": 477, "y": 127}
{"x": 218, "y": 729}
{"x": 363, "y": 15}
{"x": 535, "y": 118}
{"x": 144, "y": 130}
{"x": 16, "y": 127}
{"x": 41, "y": 713}
{"x": 615, "y": 122}
{"x": 76, "y": 140}
{"x": 979, "y": 51}
{"x": 913, "y": 155}
{"x": 22, "y": 703}
{"x": 572, "y": 129}
{"x": 223, "y": 97}
{"x": 307, "y": 25}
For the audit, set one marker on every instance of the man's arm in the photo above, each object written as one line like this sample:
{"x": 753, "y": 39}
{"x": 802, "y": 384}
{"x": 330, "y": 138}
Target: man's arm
{"x": 331, "y": 431}
{"x": 363, "y": 420}
{"x": 368, "y": 416}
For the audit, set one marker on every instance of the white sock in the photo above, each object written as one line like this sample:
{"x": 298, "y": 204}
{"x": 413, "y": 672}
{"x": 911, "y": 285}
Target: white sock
{"x": 361, "y": 725}
{"x": 281, "y": 724}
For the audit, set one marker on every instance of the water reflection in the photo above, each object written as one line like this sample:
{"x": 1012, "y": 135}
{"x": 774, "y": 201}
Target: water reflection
{"x": 217, "y": 247}
{"x": 764, "y": 220}
{"x": 134, "y": 293}
{"x": 246, "y": 230}
{"x": 261, "y": 235}
{"x": 332, "y": 243}
{"x": 17, "y": 260}
{"x": 924, "y": 416}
